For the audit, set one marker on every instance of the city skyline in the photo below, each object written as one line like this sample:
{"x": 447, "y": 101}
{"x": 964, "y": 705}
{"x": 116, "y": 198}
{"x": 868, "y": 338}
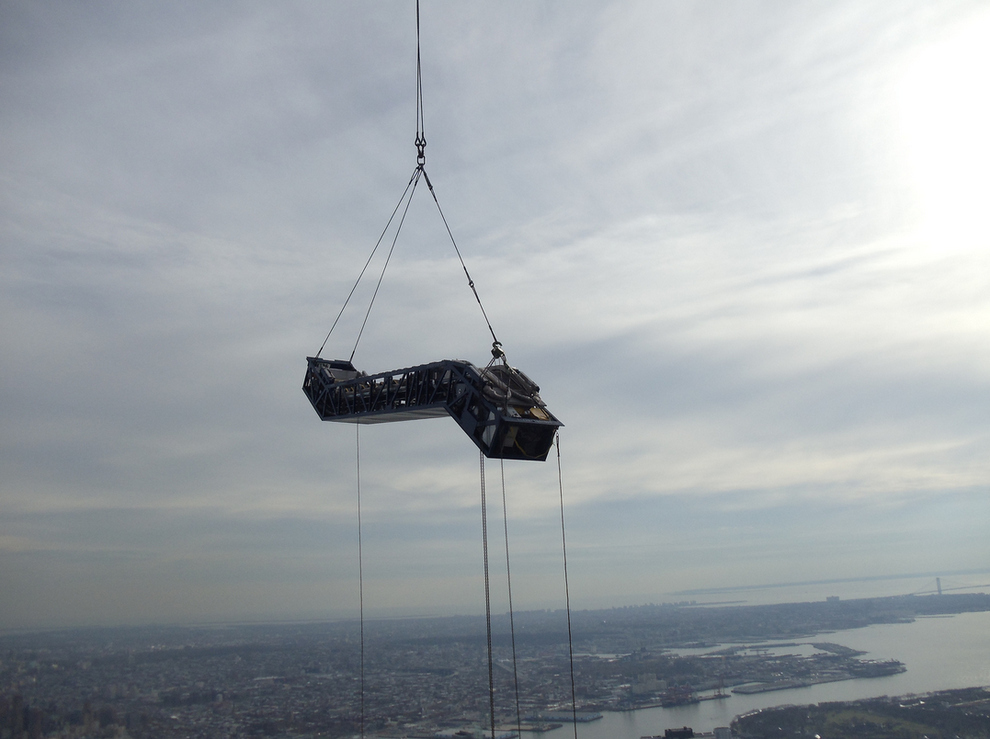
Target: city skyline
{"x": 740, "y": 248}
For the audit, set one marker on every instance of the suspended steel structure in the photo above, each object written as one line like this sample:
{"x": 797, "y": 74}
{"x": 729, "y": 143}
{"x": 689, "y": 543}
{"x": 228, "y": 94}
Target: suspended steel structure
{"x": 498, "y": 406}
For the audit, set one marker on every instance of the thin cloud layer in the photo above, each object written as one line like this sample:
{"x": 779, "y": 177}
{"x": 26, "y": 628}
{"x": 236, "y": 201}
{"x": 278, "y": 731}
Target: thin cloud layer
{"x": 703, "y": 229}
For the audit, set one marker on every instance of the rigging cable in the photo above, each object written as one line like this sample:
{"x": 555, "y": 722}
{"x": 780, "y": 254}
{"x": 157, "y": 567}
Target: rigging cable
{"x": 370, "y": 257}
{"x": 407, "y": 196}
{"x": 405, "y": 211}
{"x": 567, "y": 591}
{"x": 512, "y": 620}
{"x": 495, "y": 342}
{"x": 488, "y": 597}
{"x": 357, "y": 430}
{"x": 421, "y": 166}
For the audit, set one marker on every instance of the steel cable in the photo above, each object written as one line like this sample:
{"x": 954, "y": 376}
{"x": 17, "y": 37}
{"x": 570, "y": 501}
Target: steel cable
{"x": 567, "y": 591}
{"x": 512, "y": 620}
{"x": 368, "y": 262}
{"x": 488, "y": 596}
{"x": 357, "y": 431}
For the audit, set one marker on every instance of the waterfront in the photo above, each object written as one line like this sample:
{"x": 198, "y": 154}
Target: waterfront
{"x": 939, "y": 653}
{"x": 424, "y": 676}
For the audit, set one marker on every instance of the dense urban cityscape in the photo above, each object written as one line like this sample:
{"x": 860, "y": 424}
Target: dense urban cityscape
{"x": 425, "y": 677}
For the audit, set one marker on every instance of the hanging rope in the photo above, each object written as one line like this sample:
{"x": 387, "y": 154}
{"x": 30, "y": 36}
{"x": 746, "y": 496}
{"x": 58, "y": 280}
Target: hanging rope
{"x": 398, "y": 230}
{"x": 512, "y": 620}
{"x": 567, "y": 591}
{"x": 496, "y": 344}
{"x": 395, "y": 210}
{"x": 357, "y": 430}
{"x": 488, "y": 596}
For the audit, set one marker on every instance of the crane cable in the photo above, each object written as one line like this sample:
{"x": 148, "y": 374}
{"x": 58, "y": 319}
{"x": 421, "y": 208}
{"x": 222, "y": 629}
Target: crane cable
{"x": 411, "y": 183}
{"x": 567, "y": 590}
{"x": 508, "y": 576}
{"x": 488, "y": 601}
{"x": 420, "y": 120}
{"x": 496, "y": 344}
{"x": 488, "y": 607}
{"x": 407, "y": 195}
{"x": 357, "y": 430}
{"x": 512, "y": 620}
{"x": 488, "y": 596}
{"x": 414, "y": 181}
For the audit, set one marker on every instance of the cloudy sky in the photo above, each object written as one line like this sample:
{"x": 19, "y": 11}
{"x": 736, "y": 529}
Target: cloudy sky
{"x": 743, "y": 247}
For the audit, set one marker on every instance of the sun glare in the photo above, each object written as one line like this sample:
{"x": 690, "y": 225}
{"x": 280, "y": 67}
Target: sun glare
{"x": 945, "y": 115}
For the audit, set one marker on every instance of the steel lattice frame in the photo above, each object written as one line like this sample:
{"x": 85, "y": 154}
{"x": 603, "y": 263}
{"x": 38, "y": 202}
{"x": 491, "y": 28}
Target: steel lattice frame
{"x": 502, "y": 428}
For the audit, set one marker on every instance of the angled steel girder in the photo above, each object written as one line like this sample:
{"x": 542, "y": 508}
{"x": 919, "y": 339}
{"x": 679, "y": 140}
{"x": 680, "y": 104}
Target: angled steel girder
{"x": 498, "y": 407}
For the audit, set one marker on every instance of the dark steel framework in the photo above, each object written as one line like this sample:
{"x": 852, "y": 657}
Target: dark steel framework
{"x": 498, "y": 407}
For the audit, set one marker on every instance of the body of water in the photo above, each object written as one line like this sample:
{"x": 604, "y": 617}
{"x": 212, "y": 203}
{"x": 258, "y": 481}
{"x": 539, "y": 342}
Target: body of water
{"x": 939, "y": 653}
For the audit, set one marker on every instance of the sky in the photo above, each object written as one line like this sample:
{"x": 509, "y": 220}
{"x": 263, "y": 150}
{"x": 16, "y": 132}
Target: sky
{"x": 742, "y": 247}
